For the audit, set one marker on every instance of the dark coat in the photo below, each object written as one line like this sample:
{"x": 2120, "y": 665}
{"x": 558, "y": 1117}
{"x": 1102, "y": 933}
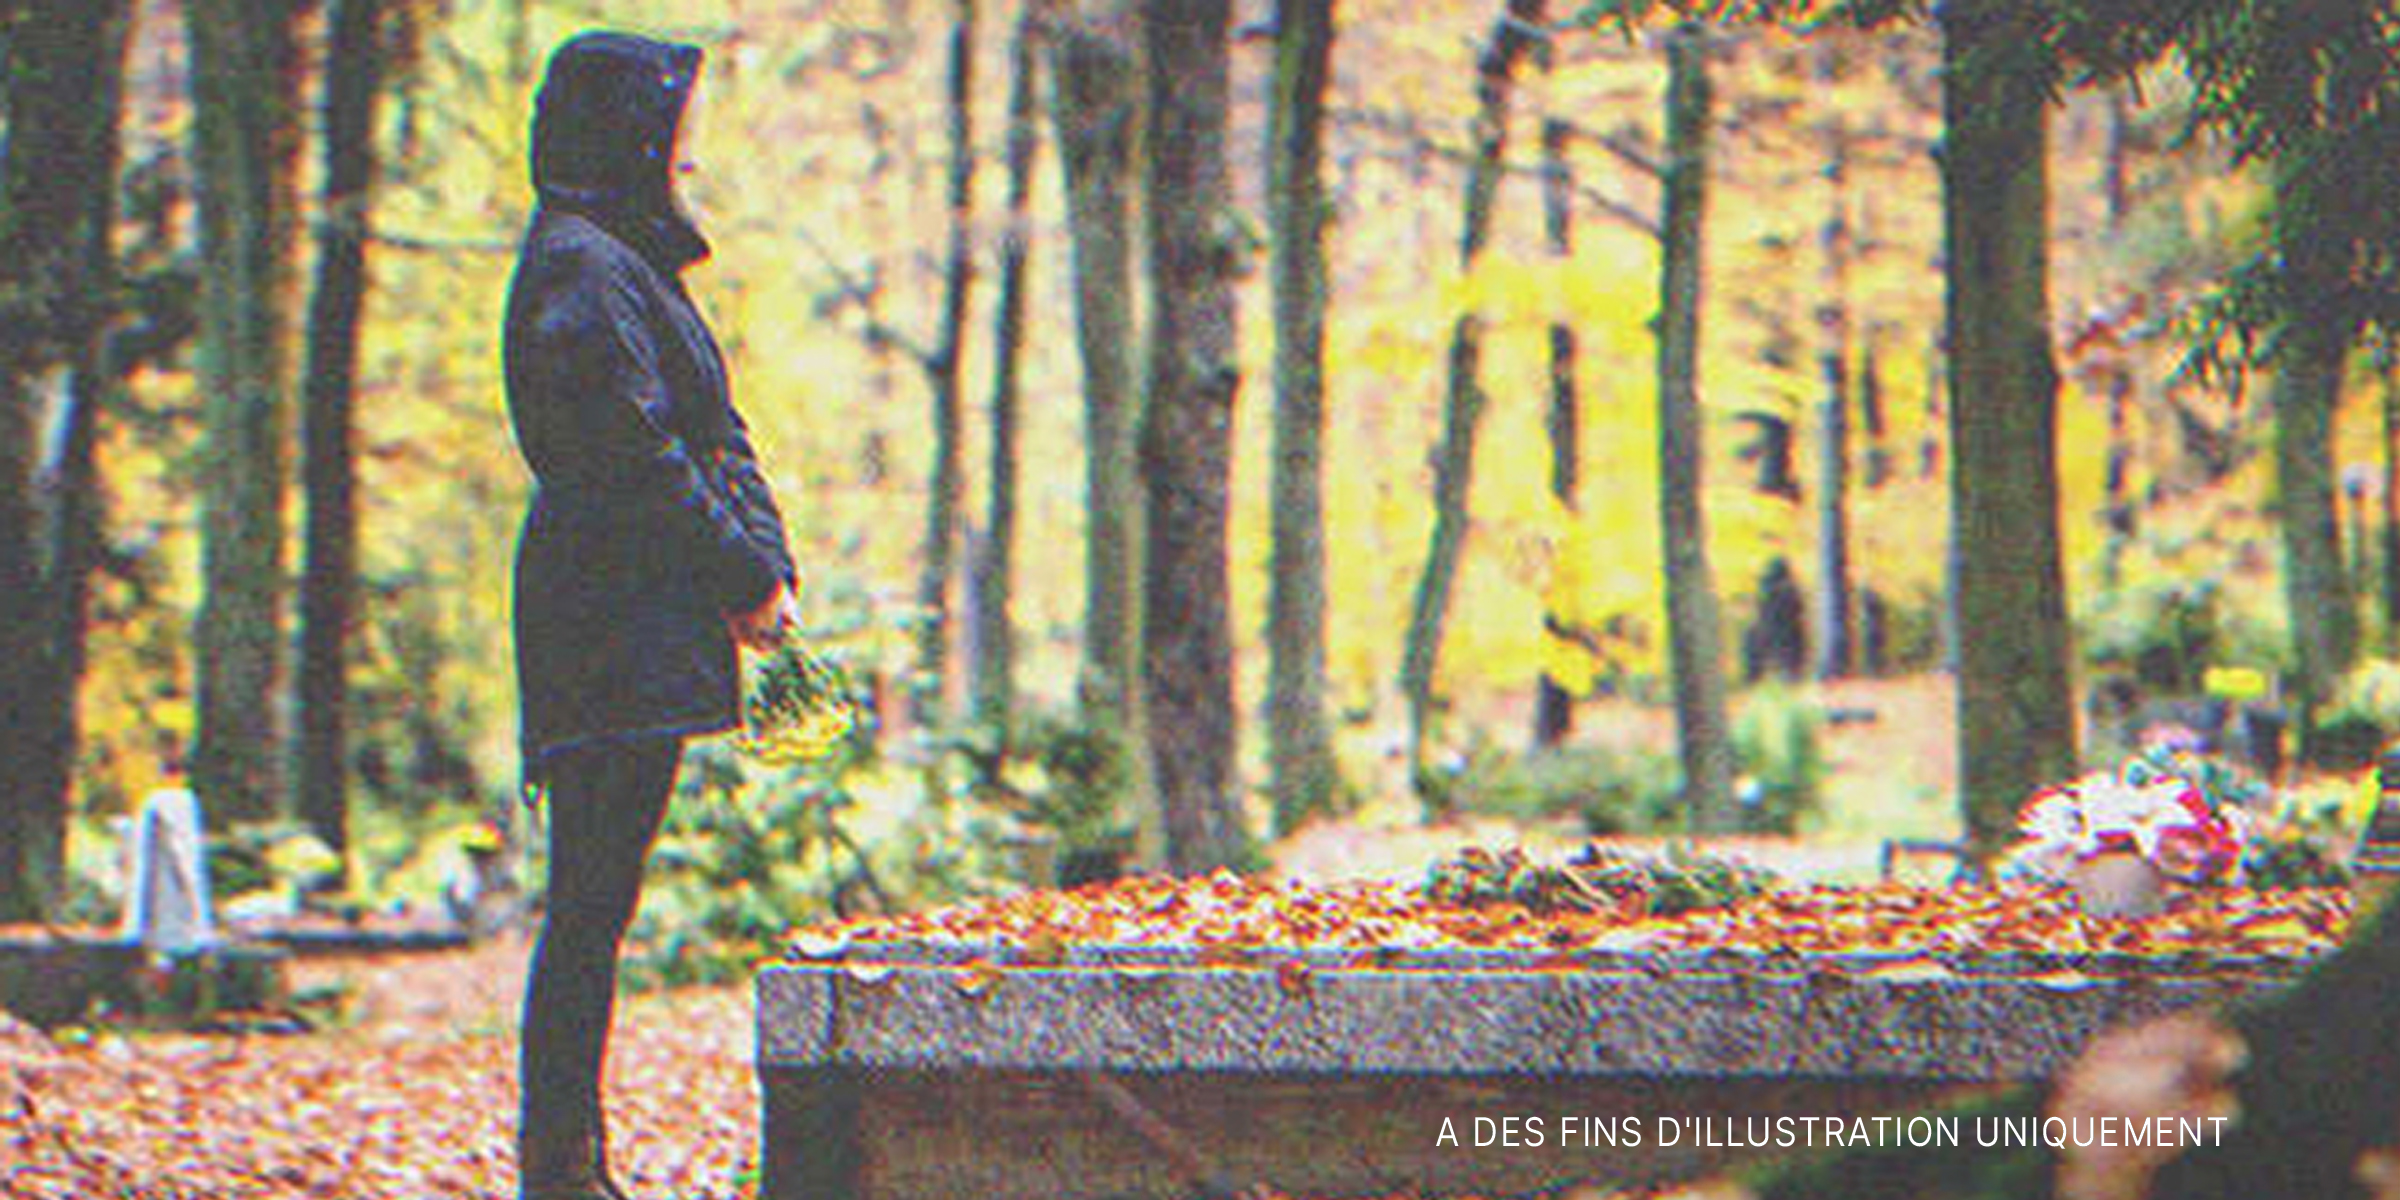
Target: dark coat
{"x": 650, "y": 521}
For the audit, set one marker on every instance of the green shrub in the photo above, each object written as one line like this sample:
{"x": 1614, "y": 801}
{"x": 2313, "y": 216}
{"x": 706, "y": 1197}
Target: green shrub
{"x": 1053, "y": 798}
{"x": 2351, "y": 730}
{"x": 2302, "y": 841}
{"x": 1778, "y": 738}
{"x": 747, "y": 853}
{"x": 1778, "y": 741}
{"x": 1080, "y": 782}
{"x": 1606, "y": 790}
{"x": 1912, "y": 632}
{"x": 2166, "y": 631}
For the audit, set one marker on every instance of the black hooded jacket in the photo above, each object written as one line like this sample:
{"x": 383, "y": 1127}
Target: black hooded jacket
{"x": 650, "y": 520}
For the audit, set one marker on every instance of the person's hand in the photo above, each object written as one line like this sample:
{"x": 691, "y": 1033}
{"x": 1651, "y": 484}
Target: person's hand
{"x": 2179, "y": 1066}
{"x": 765, "y": 627}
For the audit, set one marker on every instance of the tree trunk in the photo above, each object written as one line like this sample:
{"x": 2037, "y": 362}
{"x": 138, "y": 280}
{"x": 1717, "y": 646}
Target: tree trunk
{"x": 240, "y": 123}
{"x": 329, "y": 580}
{"x": 994, "y": 667}
{"x": 72, "y": 481}
{"x": 1553, "y": 705}
{"x": 1836, "y": 655}
{"x": 1693, "y": 634}
{"x": 1187, "y": 433}
{"x": 2117, "y": 503}
{"x": 59, "y": 91}
{"x": 947, "y": 484}
{"x": 2384, "y": 367}
{"x": 1304, "y": 779}
{"x": 2015, "y": 710}
{"x": 1094, "y": 103}
{"x": 1096, "y": 106}
{"x": 2306, "y": 391}
{"x": 1513, "y": 36}
{"x": 2117, "y": 506}
{"x": 1874, "y": 638}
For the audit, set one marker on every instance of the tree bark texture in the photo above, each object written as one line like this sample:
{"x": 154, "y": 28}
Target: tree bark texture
{"x": 995, "y": 672}
{"x": 2391, "y": 495}
{"x": 946, "y": 487}
{"x": 329, "y": 385}
{"x": 1304, "y": 780}
{"x": 1694, "y": 632}
{"x": 1553, "y": 705}
{"x": 241, "y": 53}
{"x": 1095, "y": 104}
{"x": 1876, "y": 474}
{"x": 2118, "y": 507}
{"x": 2015, "y": 708}
{"x": 70, "y": 481}
{"x": 1196, "y": 250}
{"x": 2306, "y": 391}
{"x": 60, "y": 86}
{"x": 1836, "y": 651}
{"x": 1513, "y": 37}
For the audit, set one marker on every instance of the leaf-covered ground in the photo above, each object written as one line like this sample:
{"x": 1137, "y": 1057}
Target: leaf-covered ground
{"x": 412, "y": 1096}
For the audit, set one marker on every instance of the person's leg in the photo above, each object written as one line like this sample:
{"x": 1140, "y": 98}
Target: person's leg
{"x": 605, "y": 806}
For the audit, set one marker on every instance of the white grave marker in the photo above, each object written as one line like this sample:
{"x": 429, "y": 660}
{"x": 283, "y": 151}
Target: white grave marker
{"x": 166, "y": 894}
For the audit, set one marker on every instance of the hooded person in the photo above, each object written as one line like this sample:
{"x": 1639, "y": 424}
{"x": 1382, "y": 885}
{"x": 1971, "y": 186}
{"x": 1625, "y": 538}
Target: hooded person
{"x": 651, "y": 548}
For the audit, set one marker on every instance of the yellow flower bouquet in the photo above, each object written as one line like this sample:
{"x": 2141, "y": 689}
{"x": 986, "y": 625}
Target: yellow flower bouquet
{"x": 797, "y": 706}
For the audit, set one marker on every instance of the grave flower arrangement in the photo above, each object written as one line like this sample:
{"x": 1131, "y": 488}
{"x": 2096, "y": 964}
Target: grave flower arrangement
{"x": 2151, "y": 810}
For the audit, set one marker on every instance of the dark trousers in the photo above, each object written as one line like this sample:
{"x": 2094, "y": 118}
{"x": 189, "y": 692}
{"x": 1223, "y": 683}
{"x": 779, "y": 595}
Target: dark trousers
{"x": 606, "y": 802}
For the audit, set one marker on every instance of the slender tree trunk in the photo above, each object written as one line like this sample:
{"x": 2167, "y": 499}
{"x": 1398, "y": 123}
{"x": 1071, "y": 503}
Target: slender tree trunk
{"x": 995, "y": 675}
{"x": 329, "y": 580}
{"x": 2117, "y": 506}
{"x": 1187, "y": 435}
{"x": 73, "y": 480}
{"x": 59, "y": 89}
{"x": 2304, "y": 396}
{"x": 948, "y": 483}
{"x": 1874, "y": 638}
{"x": 1553, "y": 705}
{"x": 2015, "y": 708}
{"x": 1694, "y": 633}
{"x": 1836, "y": 654}
{"x": 241, "y": 50}
{"x": 1304, "y": 779}
{"x": 1096, "y": 103}
{"x": 2384, "y": 367}
{"x": 1513, "y": 36}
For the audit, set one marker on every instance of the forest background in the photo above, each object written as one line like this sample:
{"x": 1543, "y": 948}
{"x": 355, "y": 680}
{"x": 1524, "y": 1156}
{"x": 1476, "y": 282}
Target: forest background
{"x": 829, "y": 186}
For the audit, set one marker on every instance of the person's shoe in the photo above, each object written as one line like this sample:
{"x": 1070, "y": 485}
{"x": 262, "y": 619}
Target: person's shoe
{"x": 572, "y": 1169}
{"x": 598, "y": 1189}
{"x": 589, "y": 1186}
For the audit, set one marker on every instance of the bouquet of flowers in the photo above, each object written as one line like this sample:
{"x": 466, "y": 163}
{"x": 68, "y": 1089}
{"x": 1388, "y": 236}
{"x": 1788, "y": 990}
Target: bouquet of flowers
{"x": 798, "y": 707}
{"x": 2158, "y": 814}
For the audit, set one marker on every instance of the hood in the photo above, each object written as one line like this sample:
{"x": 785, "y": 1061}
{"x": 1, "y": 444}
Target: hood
{"x": 604, "y": 137}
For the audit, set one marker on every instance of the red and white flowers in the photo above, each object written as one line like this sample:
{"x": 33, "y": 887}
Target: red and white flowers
{"x": 2161, "y": 817}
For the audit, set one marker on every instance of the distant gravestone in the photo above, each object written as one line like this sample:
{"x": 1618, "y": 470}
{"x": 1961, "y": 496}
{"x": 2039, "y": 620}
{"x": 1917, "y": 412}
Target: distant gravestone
{"x": 1776, "y": 644}
{"x": 166, "y": 891}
